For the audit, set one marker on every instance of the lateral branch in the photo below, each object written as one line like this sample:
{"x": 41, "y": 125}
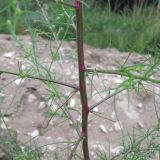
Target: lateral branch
{"x": 104, "y": 99}
{"x": 42, "y": 79}
{"x": 143, "y": 78}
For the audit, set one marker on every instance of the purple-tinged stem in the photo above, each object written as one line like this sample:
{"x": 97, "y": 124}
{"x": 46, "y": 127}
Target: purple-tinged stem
{"x": 41, "y": 79}
{"x": 82, "y": 83}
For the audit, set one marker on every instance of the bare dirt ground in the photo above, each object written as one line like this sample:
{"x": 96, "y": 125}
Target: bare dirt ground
{"x": 24, "y": 102}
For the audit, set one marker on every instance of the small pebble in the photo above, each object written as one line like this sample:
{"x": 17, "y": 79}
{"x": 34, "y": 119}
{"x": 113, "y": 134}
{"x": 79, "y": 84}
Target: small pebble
{"x": 51, "y": 147}
{"x": 113, "y": 115}
{"x": 139, "y": 105}
{"x": 73, "y": 77}
{"x": 111, "y": 129}
{"x": 70, "y": 123}
{"x": 23, "y": 67}
{"x": 79, "y": 120}
{"x": 19, "y": 81}
{"x": 157, "y": 90}
{"x": 103, "y": 128}
{"x": 98, "y": 147}
{"x": 33, "y": 134}
{"x": 88, "y": 51}
{"x": 3, "y": 126}
{"x": 2, "y": 94}
{"x": 9, "y": 55}
{"x": 31, "y": 98}
{"x": 124, "y": 92}
{"x": 67, "y": 61}
{"x": 140, "y": 124}
{"x": 42, "y": 105}
{"x": 61, "y": 49}
{"x": 95, "y": 109}
{"x": 92, "y": 153}
{"x": 117, "y": 127}
{"x": 5, "y": 119}
{"x": 49, "y": 103}
{"x": 68, "y": 73}
{"x": 118, "y": 81}
{"x": 60, "y": 139}
{"x": 29, "y": 43}
{"x": 72, "y": 103}
{"x": 11, "y": 63}
{"x": 87, "y": 81}
{"x": 116, "y": 150}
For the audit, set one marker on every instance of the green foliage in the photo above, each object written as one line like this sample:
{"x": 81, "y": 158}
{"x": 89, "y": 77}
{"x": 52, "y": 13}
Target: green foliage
{"x": 130, "y": 31}
{"x": 52, "y": 21}
{"x": 11, "y": 16}
{"x": 142, "y": 147}
{"x": 102, "y": 156}
{"x": 29, "y": 154}
{"x": 136, "y": 31}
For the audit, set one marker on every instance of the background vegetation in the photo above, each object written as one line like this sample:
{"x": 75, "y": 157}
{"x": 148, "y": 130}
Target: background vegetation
{"x": 135, "y": 29}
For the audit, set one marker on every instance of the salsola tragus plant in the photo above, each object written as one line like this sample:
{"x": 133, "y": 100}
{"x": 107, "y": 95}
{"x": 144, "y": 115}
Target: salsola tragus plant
{"x": 135, "y": 74}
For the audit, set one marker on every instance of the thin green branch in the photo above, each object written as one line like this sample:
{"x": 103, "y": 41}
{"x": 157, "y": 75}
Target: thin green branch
{"x": 143, "y": 78}
{"x": 41, "y": 79}
{"x": 60, "y": 107}
{"x": 106, "y": 72}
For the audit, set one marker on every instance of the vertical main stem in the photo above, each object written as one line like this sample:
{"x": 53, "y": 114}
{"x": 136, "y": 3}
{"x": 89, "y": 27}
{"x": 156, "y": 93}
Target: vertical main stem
{"x": 82, "y": 84}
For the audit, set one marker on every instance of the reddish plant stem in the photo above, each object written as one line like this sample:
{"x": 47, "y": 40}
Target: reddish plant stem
{"x": 82, "y": 84}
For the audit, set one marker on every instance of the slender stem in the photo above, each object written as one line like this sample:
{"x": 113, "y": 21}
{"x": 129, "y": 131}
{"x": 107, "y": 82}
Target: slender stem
{"x": 101, "y": 116}
{"x": 143, "y": 78}
{"x": 82, "y": 84}
{"x": 104, "y": 99}
{"x": 106, "y": 71}
{"x": 41, "y": 79}
{"x": 75, "y": 147}
{"x": 45, "y": 125}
